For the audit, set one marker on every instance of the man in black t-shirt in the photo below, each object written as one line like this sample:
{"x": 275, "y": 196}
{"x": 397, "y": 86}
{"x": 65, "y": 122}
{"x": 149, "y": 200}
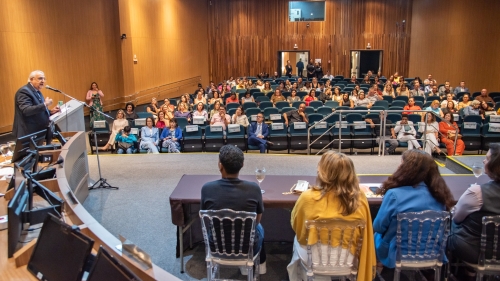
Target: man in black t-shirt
{"x": 238, "y": 195}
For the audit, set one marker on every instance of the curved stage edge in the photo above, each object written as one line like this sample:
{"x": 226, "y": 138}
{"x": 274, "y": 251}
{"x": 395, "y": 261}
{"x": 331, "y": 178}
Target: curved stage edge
{"x": 71, "y": 185}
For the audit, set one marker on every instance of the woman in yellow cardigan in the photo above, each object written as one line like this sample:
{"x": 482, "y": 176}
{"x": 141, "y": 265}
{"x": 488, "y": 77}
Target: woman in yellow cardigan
{"x": 337, "y": 195}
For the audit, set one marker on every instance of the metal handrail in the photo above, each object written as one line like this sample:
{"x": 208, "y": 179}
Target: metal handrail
{"x": 382, "y": 125}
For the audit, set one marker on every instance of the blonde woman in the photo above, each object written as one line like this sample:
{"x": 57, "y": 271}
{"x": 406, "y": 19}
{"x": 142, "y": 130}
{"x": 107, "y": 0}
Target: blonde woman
{"x": 336, "y": 195}
{"x": 118, "y": 125}
{"x": 388, "y": 90}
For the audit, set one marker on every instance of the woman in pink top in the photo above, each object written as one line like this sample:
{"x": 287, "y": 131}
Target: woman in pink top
{"x": 94, "y": 96}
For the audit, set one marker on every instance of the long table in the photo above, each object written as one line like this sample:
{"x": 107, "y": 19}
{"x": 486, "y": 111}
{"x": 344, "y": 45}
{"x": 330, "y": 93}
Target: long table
{"x": 185, "y": 203}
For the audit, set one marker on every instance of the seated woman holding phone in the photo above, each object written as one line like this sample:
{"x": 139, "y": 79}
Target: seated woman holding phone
{"x": 126, "y": 142}
{"x": 171, "y": 137}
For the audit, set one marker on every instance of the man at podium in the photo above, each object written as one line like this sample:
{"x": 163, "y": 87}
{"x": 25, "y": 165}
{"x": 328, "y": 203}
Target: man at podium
{"x": 31, "y": 108}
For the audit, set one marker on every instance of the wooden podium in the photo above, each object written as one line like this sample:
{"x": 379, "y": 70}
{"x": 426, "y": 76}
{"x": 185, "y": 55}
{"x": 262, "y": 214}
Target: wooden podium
{"x": 71, "y": 117}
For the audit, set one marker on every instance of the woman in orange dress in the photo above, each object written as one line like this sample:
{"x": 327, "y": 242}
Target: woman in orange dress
{"x": 444, "y": 129}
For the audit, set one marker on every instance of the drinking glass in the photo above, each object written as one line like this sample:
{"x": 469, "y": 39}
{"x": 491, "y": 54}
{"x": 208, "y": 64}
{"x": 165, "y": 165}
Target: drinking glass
{"x": 260, "y": 174}
{"x": 477, "y": 169}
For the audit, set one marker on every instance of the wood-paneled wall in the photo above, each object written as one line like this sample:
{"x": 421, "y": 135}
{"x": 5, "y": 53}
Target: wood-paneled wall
{"x": 74, "y": 42}
{"x": 245, "y": 35}
{"x": 456, "y": 40}
{"x": 169, "y": 40}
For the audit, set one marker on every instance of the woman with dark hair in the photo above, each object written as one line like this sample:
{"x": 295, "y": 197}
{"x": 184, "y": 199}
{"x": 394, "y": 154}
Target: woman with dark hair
{"x": 448, "y": 130}
{"x": 248, "y": 97}
{"x": 293, "y": 97}
{"x": 450, "y": 108}
{"x": 416, "y": 186}
{"x": 310, "y": 97}
{"x": 239, "y": 117}
{"x": 149, "y": 136}
{"x": 327, "y": 95}
{"x": 200, "y": 111}
{"x": 483, "y": 108}
{"x": 129, "y": 111}
{"x": 337, "y": 96}
{"x": 126, "y": 141}
{"x": 476, "y": 202}
{"x": 153, "y": 107}
{"x": 335, "y": 195}
{"x": 171, "y": 137}
{"x": 346, "y": 101}
{"x": 217, "y": 97}
{"x": 94, "y": 96}
{"x": 162, "y": 121}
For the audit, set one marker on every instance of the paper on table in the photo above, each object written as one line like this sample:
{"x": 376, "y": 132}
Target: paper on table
{"x": 6, "y": 171}
{"x": 54, "y": 116}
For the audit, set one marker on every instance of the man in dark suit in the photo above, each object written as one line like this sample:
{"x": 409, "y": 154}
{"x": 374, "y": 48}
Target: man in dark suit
{"x": 258, "y": 132}
{"x": 300, "y": 68}
{"x": 31, "y": 109}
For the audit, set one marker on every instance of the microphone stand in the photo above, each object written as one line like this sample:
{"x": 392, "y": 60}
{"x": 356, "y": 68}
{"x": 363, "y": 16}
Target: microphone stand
{"x": 102, "y": 182}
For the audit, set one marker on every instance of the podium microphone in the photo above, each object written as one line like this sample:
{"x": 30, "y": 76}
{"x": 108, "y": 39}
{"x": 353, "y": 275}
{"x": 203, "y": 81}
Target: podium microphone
{"x": 52, "y": 89}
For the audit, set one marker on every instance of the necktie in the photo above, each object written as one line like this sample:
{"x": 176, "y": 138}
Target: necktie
{"x": 40, "y": 98}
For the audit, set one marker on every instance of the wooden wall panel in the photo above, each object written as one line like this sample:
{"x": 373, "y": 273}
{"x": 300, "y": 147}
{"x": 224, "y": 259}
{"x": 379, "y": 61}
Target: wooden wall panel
{"x": 245, "y": 35}
{"x": 170, "y": 41}
{"x": 456, "y": 40}
{"x": 73, "y": 42}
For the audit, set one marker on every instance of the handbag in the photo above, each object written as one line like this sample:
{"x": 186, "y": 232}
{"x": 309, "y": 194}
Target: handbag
{"x": 451, "y": 136}
{"x": 125, "y": 145}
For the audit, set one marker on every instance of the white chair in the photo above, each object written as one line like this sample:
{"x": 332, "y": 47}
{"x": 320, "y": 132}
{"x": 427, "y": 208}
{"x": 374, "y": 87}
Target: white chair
{"x": 488, "y": 263}
{"x": 333, "y": 248}
{"x": 229, "y": 238}
{"x": 415, "y": 251}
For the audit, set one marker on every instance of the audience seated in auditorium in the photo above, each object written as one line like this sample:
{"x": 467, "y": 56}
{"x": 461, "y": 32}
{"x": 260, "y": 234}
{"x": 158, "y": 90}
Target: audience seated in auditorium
{"x": 215, "y": 109}
{"x": 461, "y": 88}
{"x": 293, "y": 97}
{"x": 267, "y": 88}
{"x": 485, "y": 109}
{"x": 472, "y": 109}
{"x": 354, "y": 95}
{"x": 445, "y": 87}
{"x": 171, "y": 137}
{"x": 411, "y": 106}
{"x": 403, "y": 90}
{"x": 433, "y": 91}
{"x": 230, "y": 192}
{"x": 465, "y": 101}
{"x": 337, "y": 195}
{"x": 388, "y": 91}
{"x": 239, "y": 117}
{"x": 232, "y": 99}
{"x": 362, "y": 100}
{"x": 366, "y": 80}
{"x": 337, "y": 96}
{"x": 153, "y": 107}
{"x": 240, "y": 84}
{"x": 221, "y": 118}
{"x": 217, "y": 97}
{"x": 429, "y": 79}
{"x": 314, "y": 83}
{"x": 448, "y": 131}
{"x": 417, "y": 90}
{"x": 415, "y": 186}
{"x": 149, "y": 136}
{"x": 434, "y": 107}
{"x": 346, "y": 101}
{"x": 162, "y": 121}
{"x": 307, "y": 87}
{"x": 129, "y": 111}
{"x": 297, "y": 115}
{"x": 449, "y": 98}
{"x": 168, "y": 109}
{"x": 182, "y": 111}
{"x": 277, "y": 96}
{"x": 125, "y": 141}
{"x": 406, "y": 132}
{"x": 288, "y": 85}
{"x": 328, "y": 75}
{"x": 390, "y": 133}
{"x": 258, "y": 132}
{"x": 310, "y": 97}
{"x": 428, "y": 88}
{"x": 260, "y": 84}
{"x": 326, "y": 95}
{"x": 248, "y": 97}
{"x": 431, "y": 132}
{"x": 477, "y": 201}
{"x": 199, "y": 98}
{"x": 373, "y": 94}
{"x": 328, "y": 85}
{"x": 450, "y": 107}
{"x": 200, "y": 111}
{"x": 183, "y": 101}
{"x": 118, "y": 124}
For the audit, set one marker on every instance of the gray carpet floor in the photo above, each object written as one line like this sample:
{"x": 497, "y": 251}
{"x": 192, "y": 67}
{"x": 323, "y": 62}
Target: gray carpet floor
{"x": 140, "y": 209}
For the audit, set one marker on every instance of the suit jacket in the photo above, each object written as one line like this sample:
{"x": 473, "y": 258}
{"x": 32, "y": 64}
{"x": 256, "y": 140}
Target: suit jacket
{"x": 30, "y": 113}
{"x": 253, "y": 129}
{"x": 459, "y": 89}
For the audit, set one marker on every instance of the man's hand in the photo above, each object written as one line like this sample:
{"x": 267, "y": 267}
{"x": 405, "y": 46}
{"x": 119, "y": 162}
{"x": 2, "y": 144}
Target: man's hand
{"x": 368, "y": 120}
{"x": 48, "y": 101}
{"x": 55, "y": 110}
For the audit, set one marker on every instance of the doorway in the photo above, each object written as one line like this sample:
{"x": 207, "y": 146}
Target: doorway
{"x": 294, "y": 57}
{"x": 364, "y": 60}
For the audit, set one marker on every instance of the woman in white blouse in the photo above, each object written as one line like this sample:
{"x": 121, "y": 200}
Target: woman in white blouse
{"x": 431, "y": 135}
{"x": 239, "y": 117}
